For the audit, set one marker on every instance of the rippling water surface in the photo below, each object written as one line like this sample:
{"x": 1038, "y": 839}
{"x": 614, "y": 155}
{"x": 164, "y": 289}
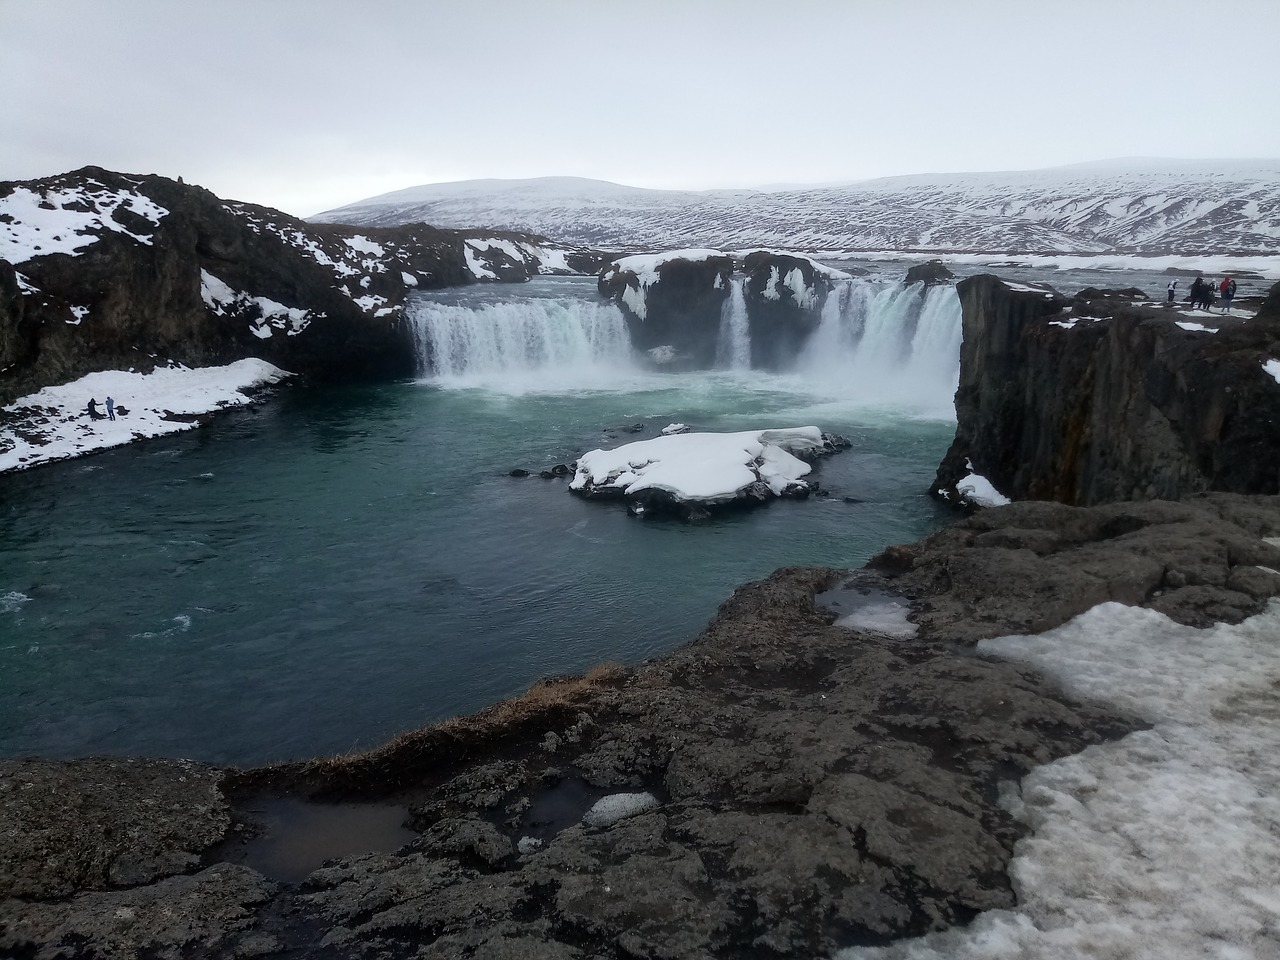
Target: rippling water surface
{"x": 330, "y": 568}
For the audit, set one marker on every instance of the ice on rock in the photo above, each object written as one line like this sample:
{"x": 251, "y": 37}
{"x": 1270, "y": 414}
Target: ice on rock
{"x": 1162, "y": 844}
{"x": 702, "y": 467}
{"x": 618, "y": 806}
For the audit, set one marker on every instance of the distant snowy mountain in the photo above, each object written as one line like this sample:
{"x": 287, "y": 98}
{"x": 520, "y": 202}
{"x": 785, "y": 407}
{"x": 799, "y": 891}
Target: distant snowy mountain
{"x": 1121, "y": 206}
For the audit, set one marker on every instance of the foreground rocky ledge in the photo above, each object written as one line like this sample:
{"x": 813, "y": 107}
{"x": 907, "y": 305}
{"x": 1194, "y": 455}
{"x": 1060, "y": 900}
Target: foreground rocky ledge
{"x": 818, "y": 786}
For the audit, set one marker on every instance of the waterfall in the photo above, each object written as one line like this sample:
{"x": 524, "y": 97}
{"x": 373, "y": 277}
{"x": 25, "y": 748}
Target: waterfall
{"x": 518, "y": 337}
{"x": 889, "y": 342}
{"x": 733, "y": 348}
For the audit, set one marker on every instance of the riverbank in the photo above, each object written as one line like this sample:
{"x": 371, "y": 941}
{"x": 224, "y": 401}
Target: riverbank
{"x": 811, "y": 785}
{"x": 55, "y": 423}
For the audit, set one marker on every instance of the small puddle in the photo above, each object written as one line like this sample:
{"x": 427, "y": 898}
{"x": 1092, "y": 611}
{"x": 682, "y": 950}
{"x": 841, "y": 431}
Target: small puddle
{"x": 295, "y": 836}
{"x": 557, "y": 807}
{"x": 866, "y": 608}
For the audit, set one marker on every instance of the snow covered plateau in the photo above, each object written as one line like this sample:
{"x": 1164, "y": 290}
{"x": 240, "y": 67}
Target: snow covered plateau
{"x": 1149, "y": 207}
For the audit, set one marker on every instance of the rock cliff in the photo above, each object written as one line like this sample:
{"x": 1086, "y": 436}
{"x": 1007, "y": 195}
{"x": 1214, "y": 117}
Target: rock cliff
{"x": 672, "y": 302}
{"x": 102, "y": 270}
{"x": 679, "y": 305}
{"x": 1099, "y": 400}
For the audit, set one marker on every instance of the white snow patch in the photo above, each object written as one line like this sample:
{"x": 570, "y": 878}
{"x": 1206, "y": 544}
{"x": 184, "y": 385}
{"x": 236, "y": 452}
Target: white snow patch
{"x": 635, "y": 299}
{"x": 882, "y": 616}
{"x": 707, "y": 467}
{"x": 369, "y": 302}
{"x": 618, "y": 806}
{"x": 978, "y": 489}
{"x": 61, "y": 426}
{"x": 364, "y": 245}
{"x": 770, "y": 290}
{"x": 645, "y": 265}
{"x": 671, "y": 428}
{"x": 409, "y": 279}
{"x": 1189, "y": 325}
{"x": 36, "y": 231}
{"x": 475, "y": 265}
{"x": 1162, "y": 844}
{"x": 79, "y": 313}
{"x": 1272, "y": 367}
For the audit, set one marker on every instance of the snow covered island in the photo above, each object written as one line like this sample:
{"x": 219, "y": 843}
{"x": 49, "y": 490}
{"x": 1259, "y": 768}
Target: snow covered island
{"x": 691, "y": 473}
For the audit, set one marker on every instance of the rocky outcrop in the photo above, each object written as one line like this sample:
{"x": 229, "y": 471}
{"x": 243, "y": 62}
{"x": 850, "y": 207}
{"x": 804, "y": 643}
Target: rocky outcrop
{"x": 681, "y": 307}
{"x": 672, "y": 303}
{"x": 781, "y": 784}
{"x": 930, "y": 273}
{"x": 1106, "y": 401}
{"x": 812, "y": 786}
{"x": 784, "y": 297}
{"x": 104, "y": 270}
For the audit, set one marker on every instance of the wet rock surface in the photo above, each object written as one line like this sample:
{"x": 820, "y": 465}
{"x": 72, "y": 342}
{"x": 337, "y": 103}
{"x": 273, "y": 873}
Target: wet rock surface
{"x": 813, "y": 785}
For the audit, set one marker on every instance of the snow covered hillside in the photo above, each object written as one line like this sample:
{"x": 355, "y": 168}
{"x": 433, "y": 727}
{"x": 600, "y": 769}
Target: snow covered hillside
{"x": 1123, "y": 206}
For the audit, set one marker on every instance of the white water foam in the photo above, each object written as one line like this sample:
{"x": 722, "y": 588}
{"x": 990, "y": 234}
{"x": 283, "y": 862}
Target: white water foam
{"x": 890, "y": 343}
{"x": 519, "y": 339}
{"x": 1163, "y": 845}
{"x": 879, "y": 345}
{"x": 12, "y": 601}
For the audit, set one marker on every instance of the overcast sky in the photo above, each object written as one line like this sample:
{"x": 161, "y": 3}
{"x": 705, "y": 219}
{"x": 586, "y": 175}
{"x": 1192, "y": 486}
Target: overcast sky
{"x": 309, "y": 104}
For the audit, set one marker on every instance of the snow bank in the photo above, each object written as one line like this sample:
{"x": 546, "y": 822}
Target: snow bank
{"x": 702, "y": 467}
{"x": 1163, "y": 844}
{"x": 54, "y": 424}
{"x": 645, "y": 265}
{"x": 618, "y": 806}
{"x": 977, "y": 489}
{"x": 1272, "y": 367}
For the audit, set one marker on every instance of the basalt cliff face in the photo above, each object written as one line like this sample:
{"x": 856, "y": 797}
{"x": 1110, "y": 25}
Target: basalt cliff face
{"x": 102, "y": 270}
{"x": 1098, "y": 400}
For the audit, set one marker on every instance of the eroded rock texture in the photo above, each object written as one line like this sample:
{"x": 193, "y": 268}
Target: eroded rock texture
{"x": 1107, "y": 402}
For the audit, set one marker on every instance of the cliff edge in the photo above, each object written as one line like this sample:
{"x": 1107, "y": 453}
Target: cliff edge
{"x": 1097, "y": 400}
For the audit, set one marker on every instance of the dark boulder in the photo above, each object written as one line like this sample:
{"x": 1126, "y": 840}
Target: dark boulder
{"x": 1095, "y": 293}
{"x": 930, "y": 273}
{"x": 672, "y": 302}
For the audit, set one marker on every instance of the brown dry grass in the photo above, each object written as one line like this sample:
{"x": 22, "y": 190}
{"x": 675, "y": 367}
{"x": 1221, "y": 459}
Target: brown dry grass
{"x": 421, "y": 758}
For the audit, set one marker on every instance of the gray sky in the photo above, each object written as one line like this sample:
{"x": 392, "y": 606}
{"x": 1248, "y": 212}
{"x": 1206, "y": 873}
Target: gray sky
{"x": 309, "y": 105}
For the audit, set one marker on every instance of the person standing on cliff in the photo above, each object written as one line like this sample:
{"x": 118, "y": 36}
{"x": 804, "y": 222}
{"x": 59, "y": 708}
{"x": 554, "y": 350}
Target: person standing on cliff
{"x": 93, "y": 409}
{"x": 1173, "y": 290}
{"x": 1228, "y": 291}
{"x": 111, "y": 409}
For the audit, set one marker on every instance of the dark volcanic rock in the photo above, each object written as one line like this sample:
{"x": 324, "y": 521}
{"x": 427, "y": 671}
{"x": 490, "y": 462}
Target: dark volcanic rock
{"x": 1031, "y": 566}
{"x": 930, "y": 273}
{"x": 672, "y": 303}
{"x": 1131, "y": 406}
{"x": 812, "y": 786}
{"x": 784, "y": 296}
{"x": 96, "y": 824}
{"x": 203, "y": 281}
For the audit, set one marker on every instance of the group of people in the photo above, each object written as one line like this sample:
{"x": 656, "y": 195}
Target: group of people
{"x": 1202, "y": 293}
{"x": 93, "y": 409}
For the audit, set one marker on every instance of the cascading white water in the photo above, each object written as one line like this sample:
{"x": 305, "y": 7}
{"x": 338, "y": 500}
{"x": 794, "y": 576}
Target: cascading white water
{"x": 889, "y": 343}
{"x": 879, "y": 343}
{"x": 733, "y": 350}
{"x": 518, "y": 337}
